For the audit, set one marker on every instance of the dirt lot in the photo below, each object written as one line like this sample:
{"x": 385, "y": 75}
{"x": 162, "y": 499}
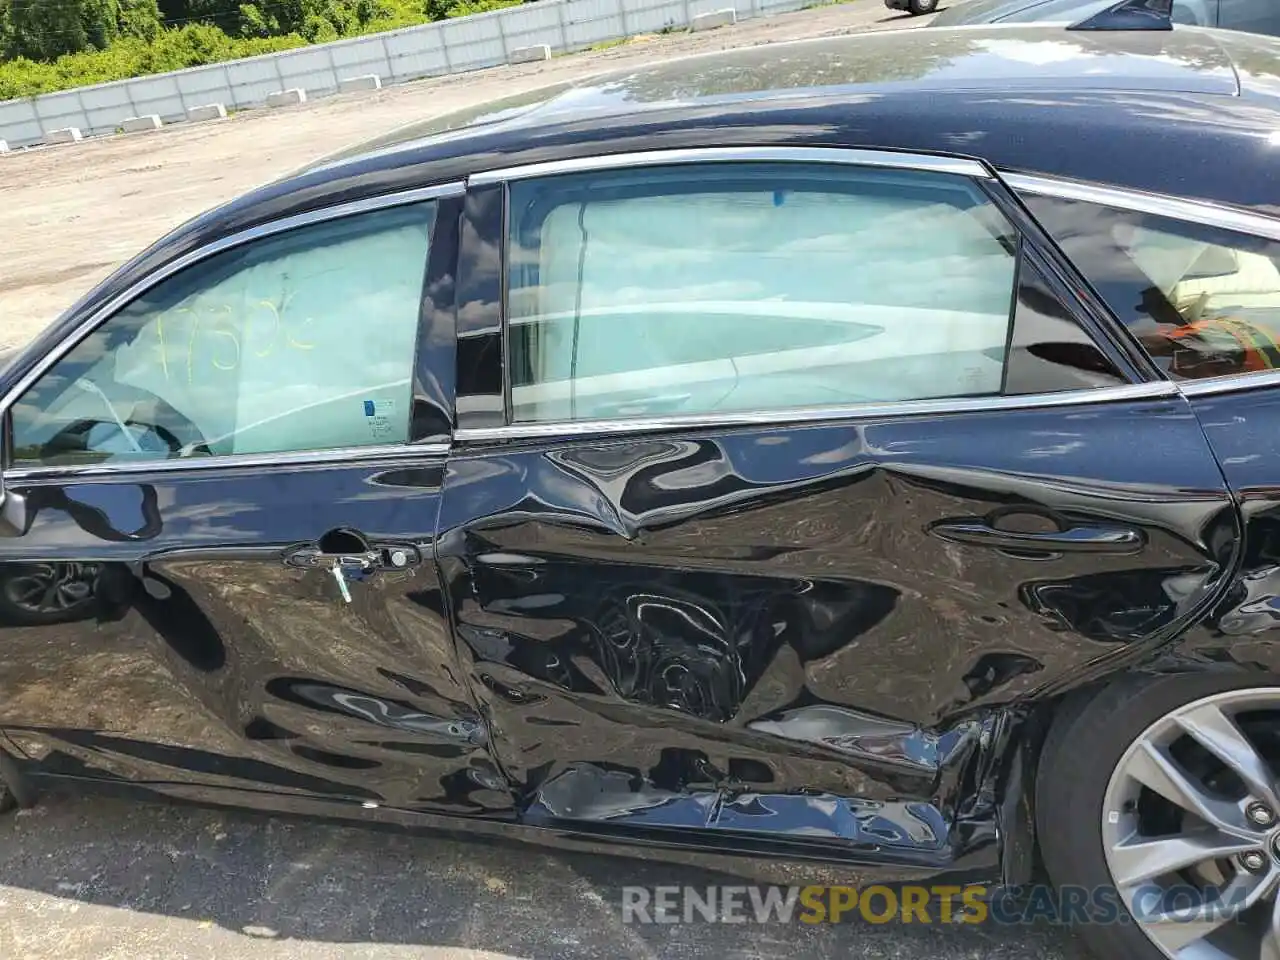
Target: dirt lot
{"x": 69, "y": 215}
{"x": 98, "y": 879}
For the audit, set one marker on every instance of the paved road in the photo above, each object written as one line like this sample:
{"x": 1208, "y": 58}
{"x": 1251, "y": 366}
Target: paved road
{"x": 95, "y": 879}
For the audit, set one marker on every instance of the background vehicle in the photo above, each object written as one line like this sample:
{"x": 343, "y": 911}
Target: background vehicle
{"x": 1252, "y": 16}
{"x": 916, "y": 7}
{"x": 887, "y": 481}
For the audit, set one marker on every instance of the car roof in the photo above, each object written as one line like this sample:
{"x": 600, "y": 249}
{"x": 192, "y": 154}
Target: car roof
{"x": 978, "y": 58}
{"x": 1030, "y": 97}
{"x": 905, "y": 89}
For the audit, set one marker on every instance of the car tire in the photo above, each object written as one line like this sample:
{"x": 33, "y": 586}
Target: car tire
{"x": 921, "y": 7}
{"x": 72, "y": 584}
{"x": 1084, "y": 747}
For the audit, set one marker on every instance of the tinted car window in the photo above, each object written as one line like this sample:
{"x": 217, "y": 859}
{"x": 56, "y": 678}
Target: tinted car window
{"x": 297, "y": 342}
{"x": 1048, "y": 350}
{"x": 1203, "y": 302}
{"x": 730, "y": 288}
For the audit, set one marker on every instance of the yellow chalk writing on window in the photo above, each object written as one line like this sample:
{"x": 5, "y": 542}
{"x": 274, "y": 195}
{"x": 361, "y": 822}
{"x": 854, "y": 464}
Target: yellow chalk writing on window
{"x": 191, "y": 347}
{"x": 228, "y": 334}
{"x": 227, "y": 337}
{"x": 164, "y": 359}
{"x": 275, "y": 329}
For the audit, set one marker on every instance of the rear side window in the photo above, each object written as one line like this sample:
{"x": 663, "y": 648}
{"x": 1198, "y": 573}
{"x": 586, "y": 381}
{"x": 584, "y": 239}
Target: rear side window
{"x": 716, "y": 288}
{"x": 1203, "y": 302}
{"x": 736, "y": 287}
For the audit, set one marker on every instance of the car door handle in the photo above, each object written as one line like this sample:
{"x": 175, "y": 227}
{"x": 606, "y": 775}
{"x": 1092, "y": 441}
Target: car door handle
{"x": 1087, "y": 538}
{"x": 389, "y": 557}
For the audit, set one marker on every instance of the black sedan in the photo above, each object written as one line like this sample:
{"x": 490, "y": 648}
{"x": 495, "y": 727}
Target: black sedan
{"x": 748, "y": 458}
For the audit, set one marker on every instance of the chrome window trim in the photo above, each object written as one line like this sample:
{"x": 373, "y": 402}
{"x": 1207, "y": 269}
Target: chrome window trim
{"x": 800, "y": 416}
{"x": 141, "y": 286}
{"x": 1231, "y": 383}
{"x": 650, "y": 158}
{"x": 343, "y": 456}
{"x": 1156, "y": 204}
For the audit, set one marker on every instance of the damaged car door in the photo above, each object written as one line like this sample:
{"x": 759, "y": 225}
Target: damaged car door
{"x": 781, "y": 477}
{"x": 221, "y": 491}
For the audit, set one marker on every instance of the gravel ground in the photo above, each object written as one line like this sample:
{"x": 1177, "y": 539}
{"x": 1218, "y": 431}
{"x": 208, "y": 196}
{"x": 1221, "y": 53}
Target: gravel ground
{"x": 95, "y": 879}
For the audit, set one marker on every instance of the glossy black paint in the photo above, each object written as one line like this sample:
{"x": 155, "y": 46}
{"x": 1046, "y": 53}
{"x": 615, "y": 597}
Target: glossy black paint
{"x": 826, "y": 643}
{"x": 779, "y": 632}
{"x": 195, "y": 656}
{"x": 1241, "y": 631}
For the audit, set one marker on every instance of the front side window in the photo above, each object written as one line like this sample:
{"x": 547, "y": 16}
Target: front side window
{"x": 1203, "y": 302}
{"x": 739, "y": 287}
{"x": 297, "y": 342}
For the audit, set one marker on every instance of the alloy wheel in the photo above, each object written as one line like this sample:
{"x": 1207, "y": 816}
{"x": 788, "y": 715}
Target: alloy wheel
{"x": 1191, "y": 828}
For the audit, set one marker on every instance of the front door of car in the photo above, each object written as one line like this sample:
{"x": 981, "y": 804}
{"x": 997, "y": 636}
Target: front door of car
{"x": 217, "y": 568}
{"x": 802, "y": 468}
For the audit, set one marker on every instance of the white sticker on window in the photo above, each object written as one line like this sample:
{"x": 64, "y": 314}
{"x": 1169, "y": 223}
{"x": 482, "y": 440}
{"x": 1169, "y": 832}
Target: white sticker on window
{"x": 380, "y": 415}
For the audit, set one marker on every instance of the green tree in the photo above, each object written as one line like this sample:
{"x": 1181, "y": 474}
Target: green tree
{"x": 221, "y": 13}
{"x": 465, "y": 8}
{"x": 367, "y": 11}
{"x": 316, "y": 29}
{"x": 47, "y": 29}
{"x": 101, "y": 19}
{"x": 288, "y": 16}
{"x": 255, "y": 23}
{"x": 316, "y": 20}
{"x": 140, "y": 19}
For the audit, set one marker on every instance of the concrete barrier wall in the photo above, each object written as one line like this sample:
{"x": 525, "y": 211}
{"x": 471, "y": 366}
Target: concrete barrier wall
{"x": 433, "y": 49}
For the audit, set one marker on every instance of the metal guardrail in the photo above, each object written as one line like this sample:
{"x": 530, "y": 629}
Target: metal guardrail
{"x": 433, "y": 49}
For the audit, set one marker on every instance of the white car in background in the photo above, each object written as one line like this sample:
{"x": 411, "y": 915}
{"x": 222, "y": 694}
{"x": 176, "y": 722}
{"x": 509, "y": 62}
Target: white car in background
{"x": 1252, "y": 16}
